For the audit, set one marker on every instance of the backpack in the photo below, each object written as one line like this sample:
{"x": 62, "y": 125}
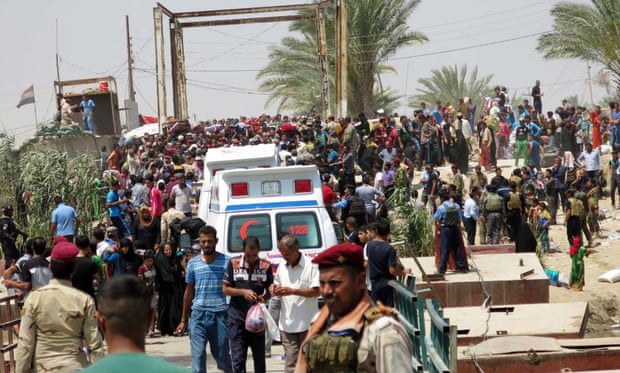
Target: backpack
{"x": 494, "y": 203}
{"x": 357, "y": 206}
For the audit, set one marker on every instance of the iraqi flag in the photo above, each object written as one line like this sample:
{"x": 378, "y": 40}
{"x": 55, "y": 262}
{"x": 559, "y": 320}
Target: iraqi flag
{"x": 27, "y": 97}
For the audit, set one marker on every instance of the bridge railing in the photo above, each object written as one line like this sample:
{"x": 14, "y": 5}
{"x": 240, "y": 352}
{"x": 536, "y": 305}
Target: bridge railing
{"x": 434, "y": 350}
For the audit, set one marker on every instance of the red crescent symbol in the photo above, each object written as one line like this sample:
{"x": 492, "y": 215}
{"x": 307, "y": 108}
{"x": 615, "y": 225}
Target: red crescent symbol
{"x": 243, "y": 231}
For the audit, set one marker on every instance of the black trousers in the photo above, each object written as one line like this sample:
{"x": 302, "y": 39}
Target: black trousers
{"x": 470, "y": 228}
{"x": 385, "y": 295}
{"x": 240, "y": 339}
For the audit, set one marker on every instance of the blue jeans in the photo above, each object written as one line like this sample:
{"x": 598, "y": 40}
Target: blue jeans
{"x": 209, "y": 326}
{"x": 88, "y": 122}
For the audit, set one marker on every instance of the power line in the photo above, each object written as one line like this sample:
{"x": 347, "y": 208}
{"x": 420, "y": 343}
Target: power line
{"x": 223, "y": 87}
{"x": 466, "y": 48}
{"x": 502, "y": 12}
{"x": 144, "y": 98}
{"x": 236, "y": 46}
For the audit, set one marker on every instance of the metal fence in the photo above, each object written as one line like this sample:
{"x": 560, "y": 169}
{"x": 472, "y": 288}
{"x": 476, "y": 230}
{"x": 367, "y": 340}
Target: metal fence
{"x": 433, "y": 350}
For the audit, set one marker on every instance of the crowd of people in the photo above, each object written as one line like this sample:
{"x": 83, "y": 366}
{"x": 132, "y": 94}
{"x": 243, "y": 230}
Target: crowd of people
{"x": 362, "y": 162}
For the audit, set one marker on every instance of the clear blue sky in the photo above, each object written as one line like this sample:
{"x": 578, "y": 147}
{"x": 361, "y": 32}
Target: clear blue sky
{"x": 222, "y": 62}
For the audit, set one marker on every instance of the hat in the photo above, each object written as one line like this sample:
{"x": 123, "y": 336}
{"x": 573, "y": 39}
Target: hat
{"x": 64, "y": 252}
{"x": 341, "y": 254}
{"x": 453, "y": 165}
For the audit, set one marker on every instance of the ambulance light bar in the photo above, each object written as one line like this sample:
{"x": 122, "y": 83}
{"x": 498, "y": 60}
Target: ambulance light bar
{"x": 271, "y": 188}
{"x": 239, "y": 189}
{"x": 303, "y": 186}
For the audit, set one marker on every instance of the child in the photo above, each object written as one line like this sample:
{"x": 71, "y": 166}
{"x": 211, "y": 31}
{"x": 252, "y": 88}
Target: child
{"x": 542, "y": 226}
{"x": 147, "y": 273}
{"x": 577, "y": 270}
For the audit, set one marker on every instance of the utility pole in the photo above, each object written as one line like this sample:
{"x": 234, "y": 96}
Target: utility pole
{"x": 160, "y": 66}
{"x": 57, "y": 64}
{"x": 341, "y": 57}
{"x": 320, "y": 28}
{"x": 132, "y": 93}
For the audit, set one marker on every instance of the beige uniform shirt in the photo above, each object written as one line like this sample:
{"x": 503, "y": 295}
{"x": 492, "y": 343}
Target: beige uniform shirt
{"x": 166, "y": 219}
{"x": 56, "y": 319}
{"x": 384, "y": 347}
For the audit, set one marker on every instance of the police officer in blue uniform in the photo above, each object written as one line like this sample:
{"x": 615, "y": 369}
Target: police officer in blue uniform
{"x": 449, "y": 215}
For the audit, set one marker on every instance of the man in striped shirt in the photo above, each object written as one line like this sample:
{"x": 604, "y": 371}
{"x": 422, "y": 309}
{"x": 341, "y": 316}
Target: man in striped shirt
{"x": 204, "y": 293}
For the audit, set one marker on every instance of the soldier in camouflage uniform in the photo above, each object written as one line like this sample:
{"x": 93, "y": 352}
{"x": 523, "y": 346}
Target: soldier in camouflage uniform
{"x": 493, "y": 211}
{"x": 366, "y": 337}
{"x": 58, "y": 322}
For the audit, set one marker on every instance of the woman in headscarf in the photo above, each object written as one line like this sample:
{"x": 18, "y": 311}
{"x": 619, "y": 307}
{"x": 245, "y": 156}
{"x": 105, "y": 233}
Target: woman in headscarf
{"x": 146, "y": 229}
{"x": 170, "y": 282}
{"x": 128, "y": 261}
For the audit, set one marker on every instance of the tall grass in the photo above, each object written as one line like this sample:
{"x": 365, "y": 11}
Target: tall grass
{"x": 410, "y": 224}
{"x": 32, "y": 179}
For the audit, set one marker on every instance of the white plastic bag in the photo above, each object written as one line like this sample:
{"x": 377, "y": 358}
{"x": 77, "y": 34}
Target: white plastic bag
{"x": 272, "y": 327}
{"x": 255, "y": 319}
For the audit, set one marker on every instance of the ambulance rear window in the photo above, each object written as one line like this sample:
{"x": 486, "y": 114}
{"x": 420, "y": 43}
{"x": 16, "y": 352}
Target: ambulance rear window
{"x": 240, "y": 227}
{"x": 303, "y": 225}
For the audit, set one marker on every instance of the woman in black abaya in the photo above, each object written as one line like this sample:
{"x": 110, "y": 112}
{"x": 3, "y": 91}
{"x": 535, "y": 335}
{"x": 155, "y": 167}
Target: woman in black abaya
{"x": 170, "y": 284}
{"x": 461, "y": 152}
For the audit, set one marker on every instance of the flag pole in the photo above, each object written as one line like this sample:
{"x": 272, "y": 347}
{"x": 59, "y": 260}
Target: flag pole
{"x": 36, "y": 120}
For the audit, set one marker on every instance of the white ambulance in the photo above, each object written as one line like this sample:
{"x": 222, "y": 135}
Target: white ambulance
{"x": 228, "y": 158}
{"x": 267, "y": 202}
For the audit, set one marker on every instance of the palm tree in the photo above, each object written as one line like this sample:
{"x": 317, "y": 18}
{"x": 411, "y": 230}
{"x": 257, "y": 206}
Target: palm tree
{"x": 588, "y": 32}
{"x": 449, "y": 84}
{"x": 377, "y": 30}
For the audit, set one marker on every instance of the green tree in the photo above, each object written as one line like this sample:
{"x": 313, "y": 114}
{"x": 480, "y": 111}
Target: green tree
{"x": 588, "y": 32}
{"x": 377, "y": 29}
{"x": 449, "y": 84}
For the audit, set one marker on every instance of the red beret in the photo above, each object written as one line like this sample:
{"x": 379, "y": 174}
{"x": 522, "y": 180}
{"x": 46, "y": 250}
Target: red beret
{"x": 64, "y": 252}
{"x": 342, "y": 254}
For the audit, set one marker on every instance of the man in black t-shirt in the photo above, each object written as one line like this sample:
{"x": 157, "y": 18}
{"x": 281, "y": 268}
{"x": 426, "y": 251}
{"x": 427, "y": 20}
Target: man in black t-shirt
{"x": 36, "y": 272}
{"x": 383, "y": 265}
{"x": 246, "y": 281}
{"x": 85, "y": 269}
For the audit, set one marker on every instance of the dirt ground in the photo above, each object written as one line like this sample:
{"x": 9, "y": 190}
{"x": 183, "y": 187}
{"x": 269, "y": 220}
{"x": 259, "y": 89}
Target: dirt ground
{"x": 603, "y": 298}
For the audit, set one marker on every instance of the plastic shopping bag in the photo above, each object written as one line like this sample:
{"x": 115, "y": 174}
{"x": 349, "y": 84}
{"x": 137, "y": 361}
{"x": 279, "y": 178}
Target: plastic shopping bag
{"x": 272, "y": 327}
{"x": 255, "y": 319}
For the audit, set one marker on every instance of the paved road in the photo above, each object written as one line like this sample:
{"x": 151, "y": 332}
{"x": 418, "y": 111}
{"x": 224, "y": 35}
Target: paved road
{"x": 176, "y": 351}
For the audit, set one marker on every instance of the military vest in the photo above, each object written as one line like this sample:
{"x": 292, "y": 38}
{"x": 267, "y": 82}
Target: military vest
{"x": 576, "y": 207}
{"x": 514, "y": 201}
{"x": 336, "y": 352}
{"x": 452, "y": 216}
{"x": 494, "y": 203}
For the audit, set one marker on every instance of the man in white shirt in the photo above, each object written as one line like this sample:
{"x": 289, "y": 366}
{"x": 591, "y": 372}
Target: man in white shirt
{"x": 471, "y": 214}
{"x": 297, "y": 284}
{"x": 591, "y": 159}
{"x": 182, "y": 196}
